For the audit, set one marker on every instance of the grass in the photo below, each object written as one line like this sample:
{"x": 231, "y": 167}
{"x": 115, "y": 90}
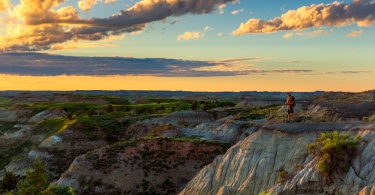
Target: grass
{"x": 51, "y": 126}
{"x": 7, "y": 126}
{"x": 6, "y": 102}
{"x": 10, "y": 149}
{"x": 334, "y": 151}
{"x": 254, "y": 113}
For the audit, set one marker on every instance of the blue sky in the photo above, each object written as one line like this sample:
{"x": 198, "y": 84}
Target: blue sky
{"x": 302, "y": 45}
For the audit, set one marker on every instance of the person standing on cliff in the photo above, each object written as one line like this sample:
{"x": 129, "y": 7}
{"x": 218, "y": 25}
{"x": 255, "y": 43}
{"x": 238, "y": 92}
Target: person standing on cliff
{"x": 290, "y": 102}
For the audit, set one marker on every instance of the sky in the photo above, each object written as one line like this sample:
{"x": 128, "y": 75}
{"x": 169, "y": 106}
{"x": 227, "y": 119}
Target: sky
{"x": 189, "y": 45}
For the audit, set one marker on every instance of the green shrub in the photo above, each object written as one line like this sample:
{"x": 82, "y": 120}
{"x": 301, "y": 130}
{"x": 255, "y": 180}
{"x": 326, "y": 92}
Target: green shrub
{"x": 58, "y": 190}
{"x": 334, "y": 151}
{"x": 194, "y": 105}
{"x": 264, "y": 193}
{"x": 9, "y": 181}
{"x": 36, "y": 180}
{"x": 372, "y": 118}
{"x": 282, "y": 175}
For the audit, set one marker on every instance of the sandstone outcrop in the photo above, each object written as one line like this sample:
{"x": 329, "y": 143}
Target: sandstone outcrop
{"x": 252, "y": 165}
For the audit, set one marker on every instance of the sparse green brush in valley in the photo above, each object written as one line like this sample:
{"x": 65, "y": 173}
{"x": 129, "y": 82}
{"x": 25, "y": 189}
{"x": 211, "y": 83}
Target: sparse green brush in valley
{"x": 334, "y": 151}
{"x": 36, "y": 183}
{"x": 36, "y": 180}
{"x": 51, "y": 126}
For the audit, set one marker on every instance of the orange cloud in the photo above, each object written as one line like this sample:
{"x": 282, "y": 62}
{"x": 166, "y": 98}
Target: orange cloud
{"x": 308, "y": 34}
{"x": 190, "y": 35}
{"x": 360, "y": 12}
{"x": 86, "y": 5}
{"x": 4, "y": 4}
{"x": 354, "y": 33}
{"x": 110, "y": 1}
{"x": 288, "y": 35}
{"x": 36, "y": 25}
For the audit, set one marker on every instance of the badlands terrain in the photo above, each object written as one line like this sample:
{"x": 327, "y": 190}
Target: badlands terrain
{"x": 162, "y": 142}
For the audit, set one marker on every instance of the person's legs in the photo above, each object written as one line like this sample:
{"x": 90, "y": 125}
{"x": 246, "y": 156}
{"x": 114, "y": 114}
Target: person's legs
{"x": 289, "y": 113}
{"x": 292, "y": 113}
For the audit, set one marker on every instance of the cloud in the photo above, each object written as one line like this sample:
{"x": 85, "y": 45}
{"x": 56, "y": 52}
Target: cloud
{"x": 354, "y": 33}
{"x": 4, "y": 4}
{"x": 343, "y": 72}
{"x": 174, "y": 21}
{"x": 308, "y": 34}
{"x": 235, "y": 12}
{"x": 355, "y": 72}
{"x": 193, "y": 35}
{"x": 38, "y": 64}
{"x": 287, "y": 35}
{"x": 190, "y": 35}
{"x": 360, "y": 12}
{"x": 220, "y": 34}
{"x": 110, "y": 1}
{"x": 292, "y": 61}
{"x": 221, "y": 8}
{"x": 86, "y": 5}
{"x": 34, "y": 21}
{"x": 237, "y": 60}
{"x": 317, "y": 32}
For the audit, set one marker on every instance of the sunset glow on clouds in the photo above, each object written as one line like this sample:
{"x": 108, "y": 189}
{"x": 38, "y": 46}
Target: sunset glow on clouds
{"x": 360, "y": 12}
{"x": 323, "y": 44}
{"x": 36, "y": 25}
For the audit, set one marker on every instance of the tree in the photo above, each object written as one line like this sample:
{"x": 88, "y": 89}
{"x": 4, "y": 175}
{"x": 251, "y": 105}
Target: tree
{"x": 194, "y": 105}
{"x": 36, "y": 180}
{"x": 110, "y": 108}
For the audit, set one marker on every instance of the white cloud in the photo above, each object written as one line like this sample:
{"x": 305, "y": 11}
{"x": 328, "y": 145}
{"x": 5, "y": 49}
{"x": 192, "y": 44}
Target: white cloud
{"x": 221, "y": 8}
{"x": 220, "y": 34}
{"x": 235, "y": 12}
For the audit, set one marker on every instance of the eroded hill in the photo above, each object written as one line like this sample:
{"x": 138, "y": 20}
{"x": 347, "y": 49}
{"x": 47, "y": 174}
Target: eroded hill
{"x": 95, "y": 144}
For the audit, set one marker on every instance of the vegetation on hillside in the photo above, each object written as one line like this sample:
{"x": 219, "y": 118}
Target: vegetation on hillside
{"x": 334, "y": 152}
{"x": 35, "y": 183}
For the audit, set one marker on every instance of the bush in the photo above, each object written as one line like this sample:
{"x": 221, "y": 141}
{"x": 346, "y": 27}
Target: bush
{"x": 282, "y": 175}
{"x": 9, "y": 181}
{"x": 36, "y": 180}
{"x": 334, "y": 152}
{"x": 372, "y": 118}
{"x": 58, "y": 190}
{"x": 194, "y": 105}
{"x": 264, "y": 193}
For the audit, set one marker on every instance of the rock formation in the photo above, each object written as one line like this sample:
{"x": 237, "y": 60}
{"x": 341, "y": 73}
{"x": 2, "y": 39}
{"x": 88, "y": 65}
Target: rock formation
{"x": 252, "y": 165}
{"x": 158, "y": 166}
